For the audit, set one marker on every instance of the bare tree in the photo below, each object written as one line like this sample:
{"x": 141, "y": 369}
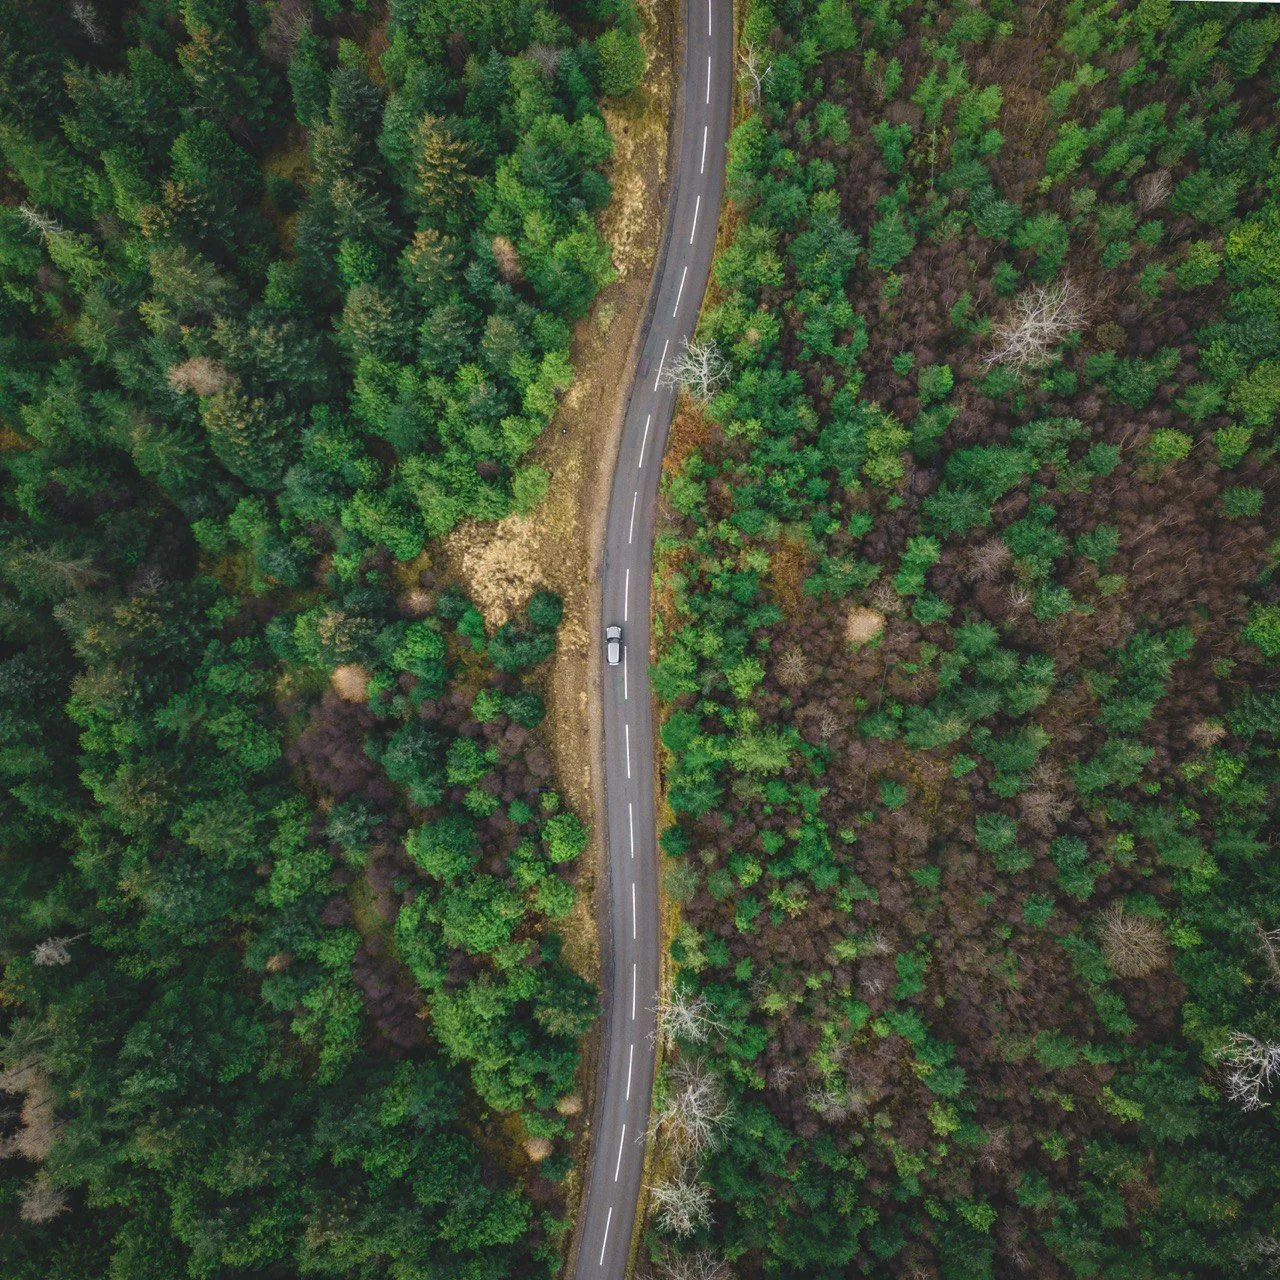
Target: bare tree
{"x": 682, "y": 1016}
{"x": 43, "y": 225}
{"x": 754, "y": 72}
{"x": 86, "y": 18}
{"x": 988, "y": 560}
{"x": 1263, "y": 1250}
{"x": 835, "y": 1100}
{"x": 794, "y": 668}
{"x": 1040, "y": 318}
{"x": 42, "y": 1201}
{"x": 699, "y": 369}
{"x": 545, "y": 56}
{"x": 683, "y": 1204}
{"x": 1154, "y": 189}
{"x": 1133, "y": 945}
{"x": 703, "y": 1265}
{"x": 692, "y": 1110}
{"x": 1249, "y": 1065}
{"x": 1268, "y": 942}
{"x": 54, "y": 951}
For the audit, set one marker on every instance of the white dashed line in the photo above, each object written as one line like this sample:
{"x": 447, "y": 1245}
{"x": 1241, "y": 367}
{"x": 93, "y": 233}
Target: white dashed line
{"x": 708, "y": 79}
{"x": 631, "y": 532}
{"x": 697, "y": 204}
{"x": 626, "y": 693}
{"x": 644, "y": 441}
{"x": 633, "y": 991}
{"x": 702, "y": 167}
{"x": 605, "y": 1241}
{"x": 626, "y": 592}
{"x": 684, "y": 275}
{"x": 631, "y": 1057}
{"x": 631, "y": 827}
{"x": 708, "y": 17}
{"x": 627, "y": 728}
{"x": 617, "y": 1168}
{"x": 665, "y": 345}
{"x": 633, "y": 911}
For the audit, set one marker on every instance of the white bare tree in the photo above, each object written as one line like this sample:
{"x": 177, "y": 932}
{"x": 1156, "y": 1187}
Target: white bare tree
{"x": 1264, "y": 1251}
{"x": 687, "y": 1017}
{"x": 86, "y": 18}
{"x": 754, "y": 72}
{"x": 1249, "y": 1065}
{"x": 1039, "y": 319}
{"x": 43, "y": 225}
{"x": 692, "y": 1110}
{"x": 1269, "y": 945}
{"x": 683, "y": 1204}
{"x": 702, "y": 1265}
{"x": 1154, "y": 189}
{"x": 54, "y": 951}
{"x": 698, "y": 369}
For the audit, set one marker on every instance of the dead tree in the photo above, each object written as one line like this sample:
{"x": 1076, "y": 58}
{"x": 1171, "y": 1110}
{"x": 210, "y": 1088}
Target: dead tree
{"x": 754, "y": 72}
{"x": 1040, "y": 318}
{"x": 1249, "y": 1066}
{"x": 682, "y": 1016}
{"x": 692, "y": 1111}
{"x": 699, "y": 369}
{"x": 683, "y": 1204}
{"x": 1268, "y": 941}
{"x": 703, "y": 1265}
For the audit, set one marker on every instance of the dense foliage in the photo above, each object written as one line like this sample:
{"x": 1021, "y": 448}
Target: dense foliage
{"x": 285, "y": 291}
{"x": 970, "y": 627}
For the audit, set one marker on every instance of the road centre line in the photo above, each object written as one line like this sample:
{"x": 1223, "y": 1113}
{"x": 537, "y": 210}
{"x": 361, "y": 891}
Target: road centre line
{"x": 633, "y": 991}
{"x": 605, "y": 1241}
{"x": 633, "y": 911}
{"x": 697, "y": 204}
{"x": 631, "y": 532}
{"x": 621, "y": 1143}
{"x": 665, "y": 345}
{"x": 684, "y": 275}
{"x": 708, "y": 17}
{"x": 627, "y": 727}
{"x": 631, "y": 828}
{"x": 644, "y": 441}
{"x": 708, "y": 79}
{"x": 626, "y": 692}
{"x": 626, "y": 592}
{"x": 702, "y": 167}
{"x": 631, "y": 1057}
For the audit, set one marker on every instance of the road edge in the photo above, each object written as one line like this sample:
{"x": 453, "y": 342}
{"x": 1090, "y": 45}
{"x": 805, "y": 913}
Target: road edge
{"x": 595, "y": 611}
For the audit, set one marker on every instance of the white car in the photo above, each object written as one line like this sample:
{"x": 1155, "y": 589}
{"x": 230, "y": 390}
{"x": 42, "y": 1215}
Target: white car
{"x": 613, "y": 645}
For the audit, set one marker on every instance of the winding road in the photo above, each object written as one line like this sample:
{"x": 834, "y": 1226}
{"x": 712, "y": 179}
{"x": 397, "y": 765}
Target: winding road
{"x": 630, "y": 942}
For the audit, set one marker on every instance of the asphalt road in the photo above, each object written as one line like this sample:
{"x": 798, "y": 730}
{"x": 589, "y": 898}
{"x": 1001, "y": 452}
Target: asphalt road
{"x": 629, "y": 968}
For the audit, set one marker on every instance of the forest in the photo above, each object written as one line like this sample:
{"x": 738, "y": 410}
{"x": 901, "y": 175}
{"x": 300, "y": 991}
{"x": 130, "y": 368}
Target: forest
{"x": 970, "y": 625}
{"x": 286, "y": 291}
